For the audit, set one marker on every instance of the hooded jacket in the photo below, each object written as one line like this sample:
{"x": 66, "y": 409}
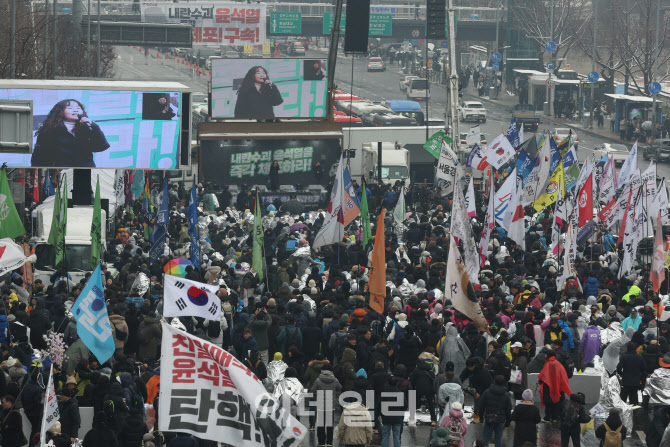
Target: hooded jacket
{"x": 456, "y": 415}
{"x": 358, "y": 433}
{"x": 590, "y": 345}
{"x": 346, "y": 367}
{"x": 632, "y": 322}
{"x": 633, "y": 291}
{"x": 495, "y": 400}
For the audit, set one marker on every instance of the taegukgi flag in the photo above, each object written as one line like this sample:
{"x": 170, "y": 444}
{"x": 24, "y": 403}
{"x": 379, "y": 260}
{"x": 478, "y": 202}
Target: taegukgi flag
{"x": 205, "y": 391}
{"x": 186, "y": 298}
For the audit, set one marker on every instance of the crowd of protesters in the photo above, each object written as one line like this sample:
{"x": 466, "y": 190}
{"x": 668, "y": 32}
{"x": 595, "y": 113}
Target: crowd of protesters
{"x": 308, "y": 327}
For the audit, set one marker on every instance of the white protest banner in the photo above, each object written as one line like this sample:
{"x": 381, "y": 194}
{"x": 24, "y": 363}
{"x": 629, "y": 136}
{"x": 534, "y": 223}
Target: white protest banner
{"x": 461, "y": 228}
{"x": 12, "y": 256}
{"x": 50, "y": 413}
{"x": 205, "y": 391}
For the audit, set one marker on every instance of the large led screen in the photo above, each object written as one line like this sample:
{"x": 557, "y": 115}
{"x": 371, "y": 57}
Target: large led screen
{"x": 101, "y": 129}
{"x": 269, "y": 88}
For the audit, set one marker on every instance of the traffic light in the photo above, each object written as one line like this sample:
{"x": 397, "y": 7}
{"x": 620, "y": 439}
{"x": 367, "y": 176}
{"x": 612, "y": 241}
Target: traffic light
{"x": 435, "y": 19}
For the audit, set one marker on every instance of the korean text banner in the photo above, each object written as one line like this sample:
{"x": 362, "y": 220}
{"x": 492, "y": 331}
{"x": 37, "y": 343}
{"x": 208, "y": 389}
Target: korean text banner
{"x": 234, "y": 24}
{"x": 208, "y": 393}
{"x": 269, "y": 88}
{"x": 244, "y": 162}
{"x": 103, "y": 129}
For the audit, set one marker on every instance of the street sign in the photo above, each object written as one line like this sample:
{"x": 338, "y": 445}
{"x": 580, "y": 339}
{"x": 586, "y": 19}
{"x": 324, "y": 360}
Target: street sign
{"x": 416, "y": 33}
{"x": 593, "y": 76}
{"x": 414, "y": 42}
{"x": 445, "y": 44}
{"x": 550, "y": 46}
{"x": 496, "y": 57}
{"x": 551, "y": 83}
{"x": 495, "y": 67}
{"x": 655, "y": 88}
{"x": 381, "y": 25}
{"x": 550, "y": 65}
{"x": 329, "y": 19}
{"x": 286, "y": 23}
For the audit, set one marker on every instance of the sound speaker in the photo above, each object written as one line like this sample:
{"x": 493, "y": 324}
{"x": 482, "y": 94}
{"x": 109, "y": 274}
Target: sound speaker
{"x": 357, "y": 26}
{"x": 82, "y": 194}
{"x": 185, "y": 149}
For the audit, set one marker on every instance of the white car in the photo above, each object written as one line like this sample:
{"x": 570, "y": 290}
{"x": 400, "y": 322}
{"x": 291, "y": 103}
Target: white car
{"x": 465, "y": 148}
{"x": 376, "y": 64}
{"x": 560, "y": 133}
{"x": 404, "y": 82}
{"x": 472, "y": 111}
{"x": 616, "y": 150}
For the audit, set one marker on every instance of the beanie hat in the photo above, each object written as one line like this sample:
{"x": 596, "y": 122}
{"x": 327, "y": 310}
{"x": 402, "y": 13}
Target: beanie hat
{"x": 278, "y": 356}
{"x": 311, "y": 283}
{"x": 272, "y": 302}
{"x": 440, "y": 433}
{"x": 527, "y": 395}
{"x": 361, "y": 373}
{"x": 344, "y": 318}
{"x": 401, "y": 317}
{"x": 456, "y": 406}
{"x": 71, "y": 380}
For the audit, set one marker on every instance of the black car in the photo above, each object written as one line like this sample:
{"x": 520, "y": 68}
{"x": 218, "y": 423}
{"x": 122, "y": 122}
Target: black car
{"x": 659, "y": 150}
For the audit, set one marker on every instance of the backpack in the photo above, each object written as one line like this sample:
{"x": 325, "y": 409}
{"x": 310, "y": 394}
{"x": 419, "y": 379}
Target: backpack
{"x": 399, "y": 334}
{"x": 143, "y": 334}
{"x": 291, "y": 337}
{"x": 455, "y": 434}
{"x": 570, "y": 415}
{"x": 214, "y": 329}
{"x": 569, "y": 366}
{"x": 612, "y": 437}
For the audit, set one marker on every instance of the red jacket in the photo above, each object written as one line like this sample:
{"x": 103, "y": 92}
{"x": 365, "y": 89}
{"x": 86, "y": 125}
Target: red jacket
{"x": 554, "y": 375}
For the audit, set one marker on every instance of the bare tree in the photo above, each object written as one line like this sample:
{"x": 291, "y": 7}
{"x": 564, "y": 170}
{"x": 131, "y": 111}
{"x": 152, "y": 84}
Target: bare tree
{"x": 34, "y": 57}
{"x": 570, "y": 19}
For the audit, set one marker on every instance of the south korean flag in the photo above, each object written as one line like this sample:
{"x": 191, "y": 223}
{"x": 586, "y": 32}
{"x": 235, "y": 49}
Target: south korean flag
{"x": 184, "y": 298}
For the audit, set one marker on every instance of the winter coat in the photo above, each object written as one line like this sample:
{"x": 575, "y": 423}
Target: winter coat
{"x": 630, "y": 322}
{"x": 495, "y": 400}
{"x": 358, "y": 433}
{"x": 520, "y": 362}
{"x": 132, "y": 431}
{"x": 70, "y": 420}
{"x": 590, "y": 345}
{"x": 118, "y": 323}
{"x": 313, "y": 372}
{"x": 259, "y": 329}
{"x": 346, "y": 367}
{"x": 526, "y": 416}
{"x": 632, "y": 369}
{"x": 409, "y": 348}
{"x": 499, "y": 364}
{"x": 554, "y": 375}
{"x": 449, "y": 393}
{"x": 327, "y": 383}
{"x": 590, "y": 286}
{"x": 455, "y": 415}
{"x": 422, "y": 379}
{"x": 396, "y": 402}
{"x": 147, "y": 351}
{"x": 480, "y": 378}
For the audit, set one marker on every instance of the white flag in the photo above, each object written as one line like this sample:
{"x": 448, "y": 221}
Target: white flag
{"x": 657, "y": 273}
{"x": 399, "y": 210}
{"x": 461, "y": 228}
{"x": 459, "y": 289}
{"x": 489, "y": 224}
{"x": 12, "y": 256}
{"x": 630, "y": 238}
{"x": 521, "y": 133}
{"x": 499, "y": 152}
{"x": 186, "y": 298}
{"x": 570, "y": 249}
{"x": 470, "y": 205}
{"x": 629, "y": 166}
{"x": 50, "y": 414}
{"x": 502, "y": 199}
{"x": 517, "y": 227}
{"x": 660, "y": 202}
{"x": 119, "y": 187}
{"x": 474, "y": 136}
{"x": 648, "y": 179}
{"x": 587, "y": 169}
{"x": 539, "y": 176}
{"x": 608, "y": 182}
{"x": 210, "y": 394}
{"x": 332, "y": 230}
{"x": 560, "y": 214}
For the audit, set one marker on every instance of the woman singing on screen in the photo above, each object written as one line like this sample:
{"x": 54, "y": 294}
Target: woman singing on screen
{"x": 68, "y": 138}
{"x": 257, "y": 95}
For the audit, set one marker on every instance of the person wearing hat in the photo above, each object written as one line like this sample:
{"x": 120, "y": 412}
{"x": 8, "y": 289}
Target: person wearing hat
{"x": 525, "y": 416}
{"x": 55, "y": 436}
{"x": 519, "y": 363}
{"x": 70, "y": 419}
{"x": 634, "y": 320}
{"x": 454, "y": 422}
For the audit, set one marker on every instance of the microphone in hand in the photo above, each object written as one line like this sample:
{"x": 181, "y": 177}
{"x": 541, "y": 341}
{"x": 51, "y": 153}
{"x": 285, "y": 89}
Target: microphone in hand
{"x": 82, "y": 119}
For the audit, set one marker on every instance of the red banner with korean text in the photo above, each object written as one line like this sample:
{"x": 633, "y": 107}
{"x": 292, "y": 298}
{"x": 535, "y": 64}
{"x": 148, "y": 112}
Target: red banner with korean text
{"x": 207, "y": 392}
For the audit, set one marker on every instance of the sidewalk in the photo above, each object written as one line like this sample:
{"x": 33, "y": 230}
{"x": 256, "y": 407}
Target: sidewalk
{"x": 507, "y": 101}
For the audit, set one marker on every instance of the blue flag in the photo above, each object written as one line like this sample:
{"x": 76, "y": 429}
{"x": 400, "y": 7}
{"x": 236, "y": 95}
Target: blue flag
{"x": 160, "y": 227}
{"x": 513, "y": 134}
{"x": 193, "y": 228}
{"x": 48, "y": 188}
{"x": 555, "y": 155}
{"x": 90, "y": 312}
{"x": 138, "y": 184}
{"x": 524, "y": 166}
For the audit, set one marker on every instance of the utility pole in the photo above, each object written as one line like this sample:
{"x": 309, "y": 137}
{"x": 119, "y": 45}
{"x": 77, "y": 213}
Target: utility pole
{"x": 593, "y": 59}
{"x": 55, "y": 71}
{"x": 658, "y": 55}
{"x": 332, "y": 52}
{"x": 551, "y": 38}
{"x": 97, "y": 66}
{"x": 12, "y": 60}
{"x": 453, "y": 79}
{"x": 88, "y": 32}
{"x": 46, "y": 39}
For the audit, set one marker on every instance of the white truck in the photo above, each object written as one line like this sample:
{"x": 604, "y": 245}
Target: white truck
{"x": 395, "y": 163}
{"x": 418, "y": 89}
{"x": 77, "y": 241}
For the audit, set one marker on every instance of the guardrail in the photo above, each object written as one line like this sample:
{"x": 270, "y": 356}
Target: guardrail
{"x": 399, "y": 12}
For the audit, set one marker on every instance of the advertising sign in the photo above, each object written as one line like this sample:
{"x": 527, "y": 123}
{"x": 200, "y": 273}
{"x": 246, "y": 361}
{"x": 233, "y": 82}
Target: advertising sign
{"x": 245, "y": 162}
{"x": 233, "y": 24}
{"x": 269, "y": 88}
{"x": 103, "y": 129}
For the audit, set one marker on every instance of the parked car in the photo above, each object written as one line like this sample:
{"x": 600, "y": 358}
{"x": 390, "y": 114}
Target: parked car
{"x": 525, "y": 116}
{"x": 404, "y": 82}
{"x": 376, "y": 64}
{"x": 465, "y": 148}
{"x": 659, "y": 150}
{"x": 616, "y": 150}
{"x": 472, "y": 111}
{"x": 560, "y": 133}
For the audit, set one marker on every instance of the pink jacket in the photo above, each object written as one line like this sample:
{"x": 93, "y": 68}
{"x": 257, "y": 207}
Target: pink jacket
{"x": 446, "y": 421}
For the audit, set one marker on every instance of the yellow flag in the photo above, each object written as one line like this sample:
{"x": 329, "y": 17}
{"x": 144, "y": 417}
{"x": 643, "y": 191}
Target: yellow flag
{"x": 556, "y": 182}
